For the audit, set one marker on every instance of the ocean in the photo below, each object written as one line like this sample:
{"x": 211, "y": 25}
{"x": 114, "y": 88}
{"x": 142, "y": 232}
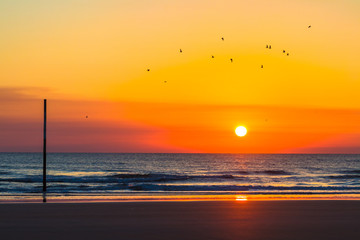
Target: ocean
{"x": 120, "y": 174}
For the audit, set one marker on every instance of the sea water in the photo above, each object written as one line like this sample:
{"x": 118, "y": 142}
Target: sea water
{"x": 153, "y": 173}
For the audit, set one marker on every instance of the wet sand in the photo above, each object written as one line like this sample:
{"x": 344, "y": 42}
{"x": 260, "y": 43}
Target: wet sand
{"x": 182, "y": 220}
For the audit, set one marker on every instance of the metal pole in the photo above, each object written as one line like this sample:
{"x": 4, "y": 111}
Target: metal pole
{"x": 44, "y": 155}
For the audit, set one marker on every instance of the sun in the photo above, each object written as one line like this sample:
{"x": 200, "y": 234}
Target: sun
{"x": 241, "y": 131}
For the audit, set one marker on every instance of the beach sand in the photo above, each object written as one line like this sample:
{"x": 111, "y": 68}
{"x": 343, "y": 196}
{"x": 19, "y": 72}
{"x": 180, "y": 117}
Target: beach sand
{"x": 182, "y": 220}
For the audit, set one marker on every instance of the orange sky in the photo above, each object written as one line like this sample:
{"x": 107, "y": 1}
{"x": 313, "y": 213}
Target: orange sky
{"x": 90, "y": 58}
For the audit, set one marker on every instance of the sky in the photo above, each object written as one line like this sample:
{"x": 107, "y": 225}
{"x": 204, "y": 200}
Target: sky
{"x": 90, "y": 58}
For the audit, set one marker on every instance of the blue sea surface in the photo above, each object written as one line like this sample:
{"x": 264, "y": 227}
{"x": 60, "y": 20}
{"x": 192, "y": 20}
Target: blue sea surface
{"x": 148, "y": 173}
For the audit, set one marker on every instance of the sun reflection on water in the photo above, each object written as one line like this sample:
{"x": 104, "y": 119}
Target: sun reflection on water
{"x": 241, "y": 198}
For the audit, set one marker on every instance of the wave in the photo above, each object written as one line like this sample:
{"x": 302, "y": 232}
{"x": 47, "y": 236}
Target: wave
{"x": 356, "y": 171}
{"x": 113, "y": 188}
{"x": 214, "y": 188}
{"x": 242, "y": 172}
{"x": 150, "y": 176}
{"x": 210, "y": 188}
{"x": 129, "y": 178}
{"x": 152, "y": 182}
{"x": 266, "y": 172}
{"x": 346, "y": 176}
{"x": 151, "y": 187}
{"x": 274, "y": 172}
{"x": 116, "y": 178}
{"x": 61, "y": 188}
{"x": 22, "y": 180}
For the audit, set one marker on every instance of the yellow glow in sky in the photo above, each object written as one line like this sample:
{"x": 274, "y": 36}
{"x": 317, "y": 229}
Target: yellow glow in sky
{"x": 97, "y": 52}
{"x": 101, "y": 49}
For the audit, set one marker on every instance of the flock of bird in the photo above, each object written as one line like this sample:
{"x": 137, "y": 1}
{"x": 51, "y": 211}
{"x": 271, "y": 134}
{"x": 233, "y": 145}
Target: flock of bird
{"x": 232, "y": 60}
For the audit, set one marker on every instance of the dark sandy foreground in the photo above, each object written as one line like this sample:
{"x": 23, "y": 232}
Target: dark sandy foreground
{"x": 182, "y": 220}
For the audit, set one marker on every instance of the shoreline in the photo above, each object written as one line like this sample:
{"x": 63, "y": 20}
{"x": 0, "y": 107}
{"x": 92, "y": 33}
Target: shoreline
{"x": 51, "y": 198}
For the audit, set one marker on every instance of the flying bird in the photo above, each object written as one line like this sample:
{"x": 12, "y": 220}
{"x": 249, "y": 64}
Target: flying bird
{"x": 287, "y": 54}
{"x": 283, "y": 51}
{"x": 86, "y": 116}
{"x": 180, "y": 50}
{"x": 222, "y": 38}
{"x": 309, "y": 26}
{"x": 165, "y": 81}
{"x": 231, "y": 60}
{"x": 148, "y": 70}
{"x": 262, "y": 66}
{"x": 212, "y": 56}
{"x": 269, "y": 46}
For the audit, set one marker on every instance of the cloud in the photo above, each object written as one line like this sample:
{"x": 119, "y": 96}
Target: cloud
{"x": 23, "y": 93}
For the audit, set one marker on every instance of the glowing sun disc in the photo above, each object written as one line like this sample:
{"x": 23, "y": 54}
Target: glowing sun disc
{"x": 240, "y": 131}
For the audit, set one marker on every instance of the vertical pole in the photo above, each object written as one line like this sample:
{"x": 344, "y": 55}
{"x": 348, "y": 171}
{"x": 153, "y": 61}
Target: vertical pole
{"x": 44, "y": 155}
